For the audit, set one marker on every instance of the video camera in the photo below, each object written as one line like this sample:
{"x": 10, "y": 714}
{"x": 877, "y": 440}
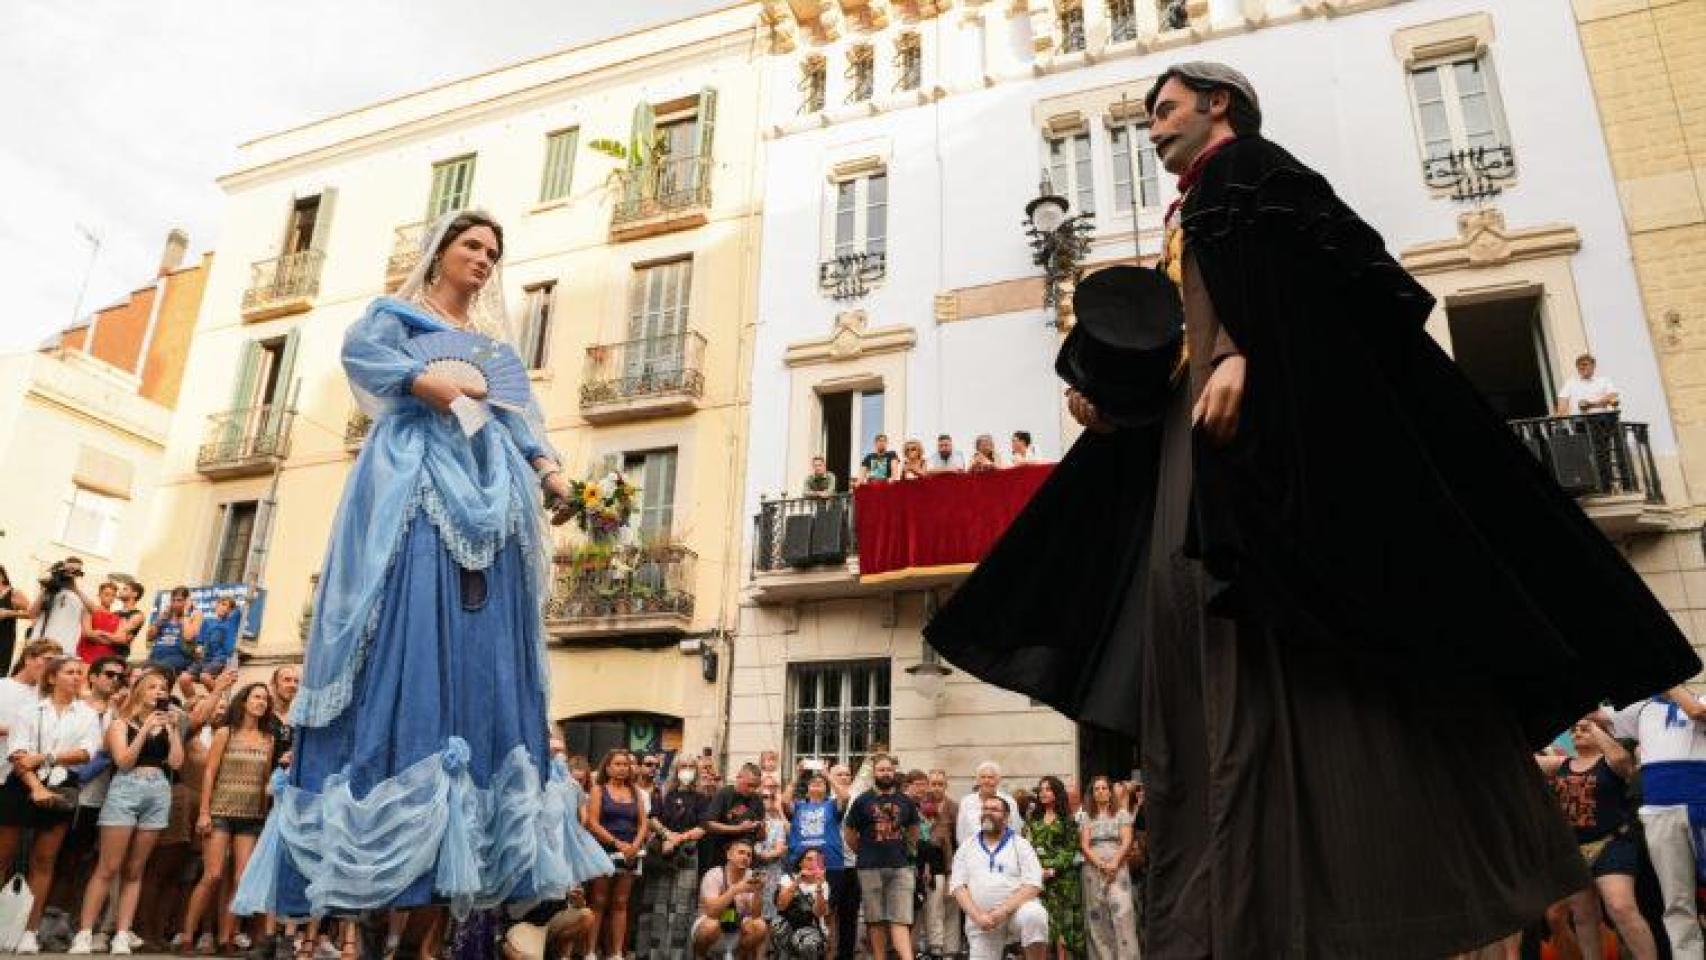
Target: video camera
{"x": 62, "y": 574}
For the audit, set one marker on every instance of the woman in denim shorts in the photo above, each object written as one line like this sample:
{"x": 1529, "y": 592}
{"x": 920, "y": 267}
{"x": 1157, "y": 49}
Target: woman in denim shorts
{"x": 233, "y": 804}
{"x": 146, "y": 744}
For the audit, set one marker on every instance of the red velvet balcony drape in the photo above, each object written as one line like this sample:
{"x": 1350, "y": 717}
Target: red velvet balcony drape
{"x": 942, "y": 524}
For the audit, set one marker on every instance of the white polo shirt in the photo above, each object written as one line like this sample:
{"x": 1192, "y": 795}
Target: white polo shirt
{"x": 994, "y": 872}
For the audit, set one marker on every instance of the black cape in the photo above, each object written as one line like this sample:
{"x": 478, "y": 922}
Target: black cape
{"x": 1372, "y": 502}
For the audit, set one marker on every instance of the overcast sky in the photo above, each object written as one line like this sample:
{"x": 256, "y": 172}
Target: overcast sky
{"x": 120, "y": 113}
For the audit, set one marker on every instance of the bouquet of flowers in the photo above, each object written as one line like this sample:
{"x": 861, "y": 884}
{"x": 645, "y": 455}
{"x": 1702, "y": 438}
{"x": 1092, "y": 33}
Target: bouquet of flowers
{"x": 602, "y": 508}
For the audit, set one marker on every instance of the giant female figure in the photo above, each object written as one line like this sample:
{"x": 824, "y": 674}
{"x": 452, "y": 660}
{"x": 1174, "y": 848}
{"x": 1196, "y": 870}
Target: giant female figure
{"x": 421, "y": 771}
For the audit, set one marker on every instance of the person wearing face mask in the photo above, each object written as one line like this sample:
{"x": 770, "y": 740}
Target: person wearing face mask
{"x": 996, "y": 880}
{"x": 882, "y": 830}
{"x": 669, "y": 898}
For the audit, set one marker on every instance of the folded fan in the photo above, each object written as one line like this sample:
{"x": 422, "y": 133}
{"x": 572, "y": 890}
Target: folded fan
{"x": 473, "y": 360}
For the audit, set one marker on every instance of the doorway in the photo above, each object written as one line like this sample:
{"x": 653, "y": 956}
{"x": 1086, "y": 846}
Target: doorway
{"x": 1500, "y": 345}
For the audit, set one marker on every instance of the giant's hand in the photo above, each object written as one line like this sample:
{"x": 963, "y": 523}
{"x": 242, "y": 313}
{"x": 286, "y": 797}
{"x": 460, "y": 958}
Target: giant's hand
{"x": 1216, "y": 411}
{"x": 437, "y": 392}
{"x": 1086, "y": 413}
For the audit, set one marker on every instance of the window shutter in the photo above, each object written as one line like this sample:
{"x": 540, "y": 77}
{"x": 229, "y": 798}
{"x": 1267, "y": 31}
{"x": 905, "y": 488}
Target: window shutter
{"x": 323, "y": 219}
{"x": 286, "y": 369}
{"x": 707, "y": 120}
{"x": 243, "y": 394}
{"x": 260, "y": 540}
{"x": 644, "y": 134}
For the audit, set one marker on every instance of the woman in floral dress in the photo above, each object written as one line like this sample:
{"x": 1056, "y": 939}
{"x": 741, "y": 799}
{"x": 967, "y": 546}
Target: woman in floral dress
{"x": 1054, "y": 834}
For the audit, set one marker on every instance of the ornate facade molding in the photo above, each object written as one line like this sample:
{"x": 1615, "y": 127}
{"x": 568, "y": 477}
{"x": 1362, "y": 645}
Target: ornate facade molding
{"x": 849, "y": 340}
{"x": 1483, "y": 240}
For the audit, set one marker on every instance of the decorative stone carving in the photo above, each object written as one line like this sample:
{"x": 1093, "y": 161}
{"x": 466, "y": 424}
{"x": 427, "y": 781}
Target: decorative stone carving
{"x": 849, "y": 340}
{"x": 1483, "y": 240}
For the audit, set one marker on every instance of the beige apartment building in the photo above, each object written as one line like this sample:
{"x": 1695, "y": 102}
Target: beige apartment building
{"x": 634, "y": 281}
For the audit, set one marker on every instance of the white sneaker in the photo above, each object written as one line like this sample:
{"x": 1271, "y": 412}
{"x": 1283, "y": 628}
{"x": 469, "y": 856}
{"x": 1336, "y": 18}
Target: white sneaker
{"x": 205, "y": 944}
{"x": 82, "y": 944}
{"x": 121, "y": 943}
{"x": 28, "y": 944}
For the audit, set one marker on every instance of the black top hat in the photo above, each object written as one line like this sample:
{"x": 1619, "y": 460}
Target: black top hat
{"x": 1125, "y": 347}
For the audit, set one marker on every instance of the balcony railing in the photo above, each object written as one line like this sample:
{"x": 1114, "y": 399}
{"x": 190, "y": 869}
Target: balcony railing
{"x": 650, "y": 375}
{"x": 244, "y": 441}
{"x": 283, "y": 284}
{"x": 851, "y": 275}
{"x": 406, "y": 243}
{"x": 803, "y": 532}
{"x": 833, "y": 734}
{"x": 1472, "y": 175}
{"x": 663, "y": 187}
{"x": 1596, "y": 455}
{"x": 355, "y": 430}
{"x": 616, "y": 589}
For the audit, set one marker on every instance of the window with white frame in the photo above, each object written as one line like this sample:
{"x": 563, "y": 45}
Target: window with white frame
{"x": 654, "y": 472}
{"x": 1134, "y": 163}
{"x": 838, "y": 712}
{"x": 1457, "y": 107}
{"x": 536, "y": 323}
{"x": 89, "y": 521}
{"x": 861, "y": 214}
{"x": 1069, "y": 170}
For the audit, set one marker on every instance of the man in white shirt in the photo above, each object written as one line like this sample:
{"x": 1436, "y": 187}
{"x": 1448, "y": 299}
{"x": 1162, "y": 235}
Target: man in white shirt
{"x": 966, "y": 822}
{"x": 1587, "y": 393}
{"x": 996, "y": 881}
{"x": 1671, "y": 730}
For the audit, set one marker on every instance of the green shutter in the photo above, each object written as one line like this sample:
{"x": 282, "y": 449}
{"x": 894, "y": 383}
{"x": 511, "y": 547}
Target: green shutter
{"x": 244, "y": 392}
{"x": 707, "y": 120}
{"x": 277, "y": 412}
{"x": 559, "y": 164}
{"x": 641, "y": 139}
{"x": 323, "y": 219}
{"x": 452, "y": 187}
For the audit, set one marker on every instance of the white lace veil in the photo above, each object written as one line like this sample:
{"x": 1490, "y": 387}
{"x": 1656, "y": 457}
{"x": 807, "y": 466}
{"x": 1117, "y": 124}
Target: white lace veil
{"x": 487, "y": 313}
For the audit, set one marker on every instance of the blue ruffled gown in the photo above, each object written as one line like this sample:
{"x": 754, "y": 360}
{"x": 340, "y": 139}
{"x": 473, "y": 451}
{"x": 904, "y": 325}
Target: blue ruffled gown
{"x": 421, "y": 769}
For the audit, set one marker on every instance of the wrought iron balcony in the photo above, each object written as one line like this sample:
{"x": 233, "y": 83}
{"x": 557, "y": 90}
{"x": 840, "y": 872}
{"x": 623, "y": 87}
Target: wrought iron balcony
{"x": 802, "y": 533}
{"x": 1471, "y": 175}
{"x": 405, "y": 253}
{"x": 246, "y": 441}
{"x": 355, "y": 431}
{"x": 833, "y": 734}
{"x": 664, "y": 195}
{"x": 851, "y": 275}
{"x": 282, "y": 285}
{"x": 654, "y": 376}
{"x": 1603, "y": 460}
{"x": 604, "y": 590}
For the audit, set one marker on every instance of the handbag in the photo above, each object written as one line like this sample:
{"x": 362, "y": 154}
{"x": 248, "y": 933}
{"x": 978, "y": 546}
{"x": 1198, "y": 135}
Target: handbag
{"x": 16, "y": 901}
{"x": 62, "y": 782}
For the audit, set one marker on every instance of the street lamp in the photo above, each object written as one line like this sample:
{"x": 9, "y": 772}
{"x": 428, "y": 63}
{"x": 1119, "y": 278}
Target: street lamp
{"x": 1059, "y": 243}
{"x": 929, "y": 673}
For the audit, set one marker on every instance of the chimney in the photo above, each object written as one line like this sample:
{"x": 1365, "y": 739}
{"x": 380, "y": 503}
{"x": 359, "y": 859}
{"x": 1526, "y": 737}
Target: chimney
{"x": 177, "y": 242}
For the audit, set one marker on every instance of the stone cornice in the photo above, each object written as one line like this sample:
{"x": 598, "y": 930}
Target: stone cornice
{"x": 850, "y": 340}
{"x": 1483, "y": 240}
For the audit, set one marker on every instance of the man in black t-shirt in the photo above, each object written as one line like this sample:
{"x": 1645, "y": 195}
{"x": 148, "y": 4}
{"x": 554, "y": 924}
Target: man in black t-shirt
{"x": 881, "y": 465}
{"x": 881, "y": 828}
{"x": 737, "y": 811}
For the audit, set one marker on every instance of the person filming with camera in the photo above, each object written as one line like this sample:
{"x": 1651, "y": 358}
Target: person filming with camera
{"x": 61, "y": 610}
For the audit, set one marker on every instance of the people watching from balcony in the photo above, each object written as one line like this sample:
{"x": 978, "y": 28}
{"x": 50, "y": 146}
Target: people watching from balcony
{"x": 1020, "y": 450}
{"x": 820, "y": 483}
{"x": 946, "y": 458}
{"x": 912, "y": 465}
{"x": 1588, "y": 392}
{"x": 983, "y": 456}
{"x": 880, "y": 465}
